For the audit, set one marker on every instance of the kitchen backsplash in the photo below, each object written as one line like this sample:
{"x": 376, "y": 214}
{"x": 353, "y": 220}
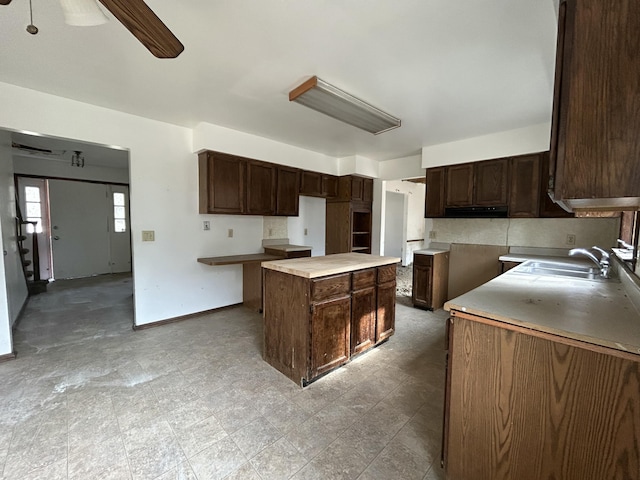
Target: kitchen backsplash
{"x": 274, "y": 227}
{"x": 525, "y": 232}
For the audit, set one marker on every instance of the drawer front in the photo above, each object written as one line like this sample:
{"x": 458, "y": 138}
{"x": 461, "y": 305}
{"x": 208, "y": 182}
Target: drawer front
{"x": 386, "y": 273}
{"x": 364, "y": 278}
{"x": 420, "y": 259}
{"x": 328, "y": 287}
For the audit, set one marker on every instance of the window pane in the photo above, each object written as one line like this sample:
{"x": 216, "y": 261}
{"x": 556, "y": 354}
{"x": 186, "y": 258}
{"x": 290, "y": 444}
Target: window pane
{"x": 38, "y": 226}
{"x": 118, "y": 199}
{"x": 32, "y": 194}
{"x": 33, "y": 210}
{"x": 28, "y": 228}
{"x": 118, "y": 212}
{"x": 120, "y": 226}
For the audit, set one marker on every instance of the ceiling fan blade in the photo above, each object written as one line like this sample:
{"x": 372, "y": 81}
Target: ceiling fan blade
{"x": 5, "y": 2}
{"x": 140, "y": 20}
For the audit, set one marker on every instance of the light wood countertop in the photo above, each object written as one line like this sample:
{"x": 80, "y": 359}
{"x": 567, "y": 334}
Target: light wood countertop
{"x": 287, "y": 248}
{"x": 600, "y": 313}
{"x": 313, "y": 267}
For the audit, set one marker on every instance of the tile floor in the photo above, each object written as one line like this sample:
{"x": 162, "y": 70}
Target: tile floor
{"x": 89, "y": 398}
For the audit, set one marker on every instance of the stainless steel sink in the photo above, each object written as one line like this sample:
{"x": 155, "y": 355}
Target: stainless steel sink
{"x": 561, "y": 269}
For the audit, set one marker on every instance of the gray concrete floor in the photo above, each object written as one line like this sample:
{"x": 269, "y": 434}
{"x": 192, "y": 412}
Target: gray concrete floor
{"x": 89, "y": 398}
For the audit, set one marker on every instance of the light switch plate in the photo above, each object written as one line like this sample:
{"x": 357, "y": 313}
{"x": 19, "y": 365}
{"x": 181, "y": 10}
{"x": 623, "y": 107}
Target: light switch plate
{"x": 230, "y": 233}
{"x": 206, "y": 225}
{"x": 148, "y": 236}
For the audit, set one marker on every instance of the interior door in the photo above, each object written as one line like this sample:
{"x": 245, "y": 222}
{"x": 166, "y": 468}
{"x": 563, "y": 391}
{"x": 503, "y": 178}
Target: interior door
{"x": 119, "y": 228}
{"x": 395, "y": 230}
{"x": 79, "y": 231}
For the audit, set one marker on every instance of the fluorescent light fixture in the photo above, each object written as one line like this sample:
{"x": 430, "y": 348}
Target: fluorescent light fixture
{"x": 325, "y": 98}
{"x": 82, "y": 13}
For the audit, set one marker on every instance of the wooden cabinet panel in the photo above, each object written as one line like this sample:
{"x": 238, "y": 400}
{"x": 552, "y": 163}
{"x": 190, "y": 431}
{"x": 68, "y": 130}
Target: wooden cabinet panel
{"x": 459, "y": 191}
{"x": 364, "y": 278}
{"x": 525, "y": 407}
{"x": 221, "y": 183}
{"x": 367, "y": 190}
{"x": 387, "y": 274}
{"x": 524, "y": 200}
{"x": 430, "y": 280}
{"x": 491, "y": 185}
{"x": 261, "y": 188}
{"x": 595, "y": 144}
{"x": 287, "y": 199}
{"x": 329, "y": 186}
{"x": 357, "y": 188}
{"x": 328, "y": 287}
{"x": 363, "y": 319}
{"x": 386, "y": 311}
{"x": 434, "y": 198}
{"x": 311, "y": 184}
{"x": 330, "y": 334}
{"x": 348, "y": 227}
{"x": 421, "y": 288}
{"x": 548, "y": 208}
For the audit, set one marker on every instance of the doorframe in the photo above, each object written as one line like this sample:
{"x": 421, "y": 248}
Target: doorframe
{"x": 48, "y": 221}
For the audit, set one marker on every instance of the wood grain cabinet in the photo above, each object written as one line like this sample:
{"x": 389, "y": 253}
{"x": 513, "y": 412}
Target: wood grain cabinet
{"x": 525, "y": 197}
{"x": 595, "y": 144}
{"x": 312, "y": 326}
{"x": 315, "y": 184}
{"x": 530, "y": 406}
{"x": 459, "y": 191}
{"x": 434, "y": 197}
{"x": 430, "y": 280}
{"x": 355, "y": 188}
{"x": 348, "y": 227}
{"x": 261, "y": 188}
{"x": 287, "y": 186}
{"x": 221, "y": 186}
{"x": 491, "y": 182}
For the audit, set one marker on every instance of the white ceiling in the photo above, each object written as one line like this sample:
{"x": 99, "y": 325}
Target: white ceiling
{"x": 450, "y": 69}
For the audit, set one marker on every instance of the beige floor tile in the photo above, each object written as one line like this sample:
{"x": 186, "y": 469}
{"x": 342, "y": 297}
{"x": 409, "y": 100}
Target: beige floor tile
{"x": 278, "y": 461}
{"x": 217, "y": 461}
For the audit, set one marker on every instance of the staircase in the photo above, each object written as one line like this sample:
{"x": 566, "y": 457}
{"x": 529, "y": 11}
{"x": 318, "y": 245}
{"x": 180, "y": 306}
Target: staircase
{"x": 31, "y": 269}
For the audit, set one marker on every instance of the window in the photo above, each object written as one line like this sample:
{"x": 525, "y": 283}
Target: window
{"x": 34, "y": 209}
{"x": 119, "y": 213}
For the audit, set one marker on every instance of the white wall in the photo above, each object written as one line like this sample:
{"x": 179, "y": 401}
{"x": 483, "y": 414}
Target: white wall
{"x": 504, "y": 144}
{"x": 399, "y": 168}
{"x": 312, "y": 217}
{"x": 56, "y": 169}
{"x": 530, "y": 232}
{"x": 13, "y": 288}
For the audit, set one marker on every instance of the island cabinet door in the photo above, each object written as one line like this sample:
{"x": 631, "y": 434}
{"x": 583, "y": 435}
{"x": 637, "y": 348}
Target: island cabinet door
{"x": 363, "y": 310}
{"x": 330, "y": 334}
{"x": 386, "y": 303}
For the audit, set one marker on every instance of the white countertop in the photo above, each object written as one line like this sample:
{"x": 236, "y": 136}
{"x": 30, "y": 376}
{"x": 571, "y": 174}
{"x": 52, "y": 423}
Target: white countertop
{"x": 313, "y": 267}
{"x": 429, "y": 251}
{"x": 596, "y": 312}
{"x": 520, "y": 257}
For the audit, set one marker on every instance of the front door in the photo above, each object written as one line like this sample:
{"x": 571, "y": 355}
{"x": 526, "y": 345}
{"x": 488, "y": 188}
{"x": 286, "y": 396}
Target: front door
{"x": 79, "y": 228}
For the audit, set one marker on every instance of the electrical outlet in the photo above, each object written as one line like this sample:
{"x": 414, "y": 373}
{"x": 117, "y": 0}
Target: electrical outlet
{"x": 306, "y": 232}
{"x": 432, "y": 234}
{"x": 571, "y": 239}
{"x": 148, "y": 236}
{"x": 271, "y": 232}
{"x": 230, "y": 233}
{"x": 206, "y": 225}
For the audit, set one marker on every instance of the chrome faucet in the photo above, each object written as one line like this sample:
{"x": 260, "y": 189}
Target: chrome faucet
{"x": 602, "y": 262}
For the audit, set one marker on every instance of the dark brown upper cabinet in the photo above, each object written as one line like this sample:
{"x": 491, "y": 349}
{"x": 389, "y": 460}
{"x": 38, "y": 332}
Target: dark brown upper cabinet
{"x": 287, "y": 186}
{"x": 261, "y": 188}
{"x": 459, "y": 191}
{"x": 548, "y": 208}
{"x": 491, "y": 182}
{"x": 524, "y": 200}
{"x": 434, "y": 198}
{"x": 355, "y": 188}
{"x": 221, "y": 183}
{"x": 315, "y": 184}
{"x": 595, "y": 145}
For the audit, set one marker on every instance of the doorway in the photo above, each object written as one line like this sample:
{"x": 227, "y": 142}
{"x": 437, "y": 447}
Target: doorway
{"x": 83, "y": 227}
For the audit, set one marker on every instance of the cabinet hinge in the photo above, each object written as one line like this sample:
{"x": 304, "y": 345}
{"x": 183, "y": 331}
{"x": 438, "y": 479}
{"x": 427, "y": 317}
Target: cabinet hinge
{"x": 311, "y": 308}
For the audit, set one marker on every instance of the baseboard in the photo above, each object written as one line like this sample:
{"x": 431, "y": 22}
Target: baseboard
{"x": 182, "y": 318}
{"x": 7, "y": 357}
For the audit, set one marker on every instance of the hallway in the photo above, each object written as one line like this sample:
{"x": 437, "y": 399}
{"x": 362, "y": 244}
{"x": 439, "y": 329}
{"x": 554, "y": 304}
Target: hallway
{"x": 88, "y": 398}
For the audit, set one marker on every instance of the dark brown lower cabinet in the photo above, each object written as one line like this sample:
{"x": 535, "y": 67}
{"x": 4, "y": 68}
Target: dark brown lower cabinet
{"x": 330, "y": 334}
{"x": 313, "y": 325}
{"x": 430, "y": 280}
{"x": 526, "y": 405}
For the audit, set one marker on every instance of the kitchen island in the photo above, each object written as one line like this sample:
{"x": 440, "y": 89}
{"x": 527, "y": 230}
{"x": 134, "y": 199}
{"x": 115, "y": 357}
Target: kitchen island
{"x": 320, "y": 311}
{"x": 543, "y": 379}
